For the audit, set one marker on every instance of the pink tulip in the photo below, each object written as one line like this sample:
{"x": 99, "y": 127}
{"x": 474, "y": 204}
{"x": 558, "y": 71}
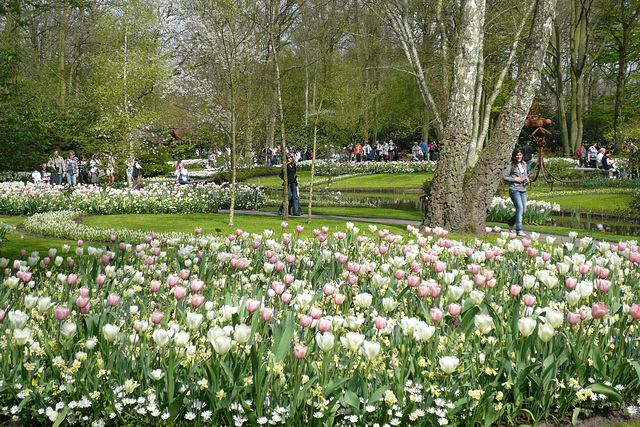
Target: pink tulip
{"x": 352, "y": 279}
{"x": 325, "y": 230}
{"x": 322, "y": 238}
{"x": 584, "y": 269}
{"x": 290, "y": 258}
{"x": 380, "y": 322}
{"x": 316, "y": 232}
{"x": 383, "y": 250}
{"x": 85, "y": 309}
{"x": 342, "y": 258}
{"x": 299, "y": 351}
{"x": 156, "y": 317}
{"x": 286, "y": 297}
{"x": 154, "y": 285}
{"x": 480, "y": 279}
{"x": 487, "y": 230}
{"x": 634, "y": 257}
{"x": 239, "y": 232}
{"x": 61, "y": 312}
{"x": 156, "y": 251}
{"x": 279, "y": 266}
{"x": 72, "y": 279}
{"x": 488, "y": 273}
{"x": 584, "y": 313}
{"x": 596, "y": 270}
{"x": 423, "y": 291}
{"x": 436, "y": 314}
{"x": 435, "y": 290}
{"x": 338, "y": 299}
{"x": 571, "y": 282}
{"x": 46, "y": 260}
{"x": 288, "y": 278}
{"x": 82, "y": 301}
{"x": 266, "y": 314}
{"x": 23, "y": 253}
{"x": 139, "y": 248}
{"x": 604, "y": 285}
{"x": 269, "y": 253}
{"x": 324, "y": 324}
{"x": 16, "y": 264}
{"x": 473, "y": 269}
{"x": 197, "y": 300}
{"x": 113, "y": 299}
{"x": 255, "y": 244}
{"x": 231, "y": 237}
{"x": 137, "y": 325}
{"x": 439, "y": 266}
{"x": 529, "y": 300}
{"x": 173, "y": 280}
{"x": 532, "y": 252}
{"x": 413, "y": 280}
{"x": 613, "y": 248}
{"x": 391, "y": 238}
{"x": 278, "y": 287}
{"x": 184, "y": 274}
{"x": 546, "y": 256}
{"x": 604, "y": 272}
{"x": 488, "y": 254}
{"x": 360, "y": 239}
{"x": 381, "y": 234}
{"x": 478, "y": 243}
{"x": 122, "y": 246}
{"x": 197, "y": 230}
{"x": 526, "y": 243}
{"x": 422, "y": 241}
{"x": 252, "y": 305}
{"x": 80, "y": 243}
{"x": 315, "y": 312}
{"x": 491, "y": 283}
{"x": 113, "y": 238}
{"x": 284, "y": 224}
{"x": 286, "y": 240}
{"x": 328, "y": 289}
{"x": 410, "y": 228}
{"x": 150, "y": 260}
{"x": 454, "y": 309}
{"x": 599, "y": 310}
{"x": 83, "y": 291}
{"x": 196, "y": 285}
{"x": 101, "y": 279}
{"x": 399, "y": 274}
{"x": 468, "y": 251}
{"x": 634, "y": 311}
{"x": 515, "y": 290}
{"x": 179, "y": 292}
{"x": 427, "y": 230}
{"x": 105, "y": 259}
{"x": 305, "y": 320}
{"x": 573, "y": 318}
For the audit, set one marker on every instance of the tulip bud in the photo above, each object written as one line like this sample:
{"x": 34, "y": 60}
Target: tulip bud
{"x": 380, "y": 322}
{"x": 179, "y": 292}
{"x": 112, "y": 300}
{"x": 61, "y": 312}
{"x": 299, "y": 351}
{"x": 454, "y": 309}
{"x": 266, "y": 313}
{"x": 156, "y": 317}
{"x": 252, "y": 305}
{"x": 338, "y": 299}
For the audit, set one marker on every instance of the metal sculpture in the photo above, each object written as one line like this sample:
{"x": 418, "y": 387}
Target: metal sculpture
{"x": 539, "y": 137}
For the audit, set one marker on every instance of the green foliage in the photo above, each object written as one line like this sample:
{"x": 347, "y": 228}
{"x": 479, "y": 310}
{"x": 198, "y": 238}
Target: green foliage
{"x": 154, "y": 160}
{"x": 242, "y": 174}
{"x": 635, "y": 202}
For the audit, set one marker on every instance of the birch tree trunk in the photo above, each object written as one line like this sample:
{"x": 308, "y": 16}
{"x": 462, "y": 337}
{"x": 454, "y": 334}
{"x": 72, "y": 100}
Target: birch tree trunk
{"x": 485, "y": 177}
{"x": 444, "y": 206}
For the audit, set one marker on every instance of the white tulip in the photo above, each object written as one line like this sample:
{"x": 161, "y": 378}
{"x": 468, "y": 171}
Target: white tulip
{"x": 352, "y": 340}
{"x": 455, "y": 292}
{"x": 545, "y": 332}
{"x": 371, "y": 349}
{"x": 408, "y": 325}
{"x": 194, "y": 320}
{"x": 182, "y": 339}
{"x": 110, "y": 332}
{"x": 18, "y": 319}
{"x": 448, "y": 364}
{"x": 156, "y": 374}
{"x": 21, "y": 336}
{"x": 526, "y": 326}
{"x": 554, "y": 318}
{"x": 364, "y": 300}
{"x": 423, "y": 331}
{"x": 325, "y": 341}
{"x": 68, "y": 329}
{"x": 484, "y": 323}
{"x": 242, "y": 333}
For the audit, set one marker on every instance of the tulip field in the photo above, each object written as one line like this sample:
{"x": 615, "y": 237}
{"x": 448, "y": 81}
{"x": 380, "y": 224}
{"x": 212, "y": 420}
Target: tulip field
{"x": 350, "y": 327}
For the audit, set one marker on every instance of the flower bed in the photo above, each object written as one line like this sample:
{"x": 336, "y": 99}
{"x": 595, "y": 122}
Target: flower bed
{"x": 355, "y": 327}
{"x": 538, "y": 211}
{"x": 328, "y": 167}
{"x": 157, "y": 197}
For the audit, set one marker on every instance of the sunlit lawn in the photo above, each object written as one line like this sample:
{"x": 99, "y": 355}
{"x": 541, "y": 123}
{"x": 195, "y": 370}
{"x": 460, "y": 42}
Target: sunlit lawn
{"x": 373, "y": 181}
{"x": 17, "y": 241}
{"x": 210, "y": 223}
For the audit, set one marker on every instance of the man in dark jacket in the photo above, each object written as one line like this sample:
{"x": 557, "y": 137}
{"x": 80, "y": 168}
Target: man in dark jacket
{"x": 292, "y": 179}
{"x": 527, "y": 154}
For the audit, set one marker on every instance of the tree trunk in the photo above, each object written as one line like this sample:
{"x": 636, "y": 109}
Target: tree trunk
{"x": 444, "y": 208}
{"x": 486, "y": 175}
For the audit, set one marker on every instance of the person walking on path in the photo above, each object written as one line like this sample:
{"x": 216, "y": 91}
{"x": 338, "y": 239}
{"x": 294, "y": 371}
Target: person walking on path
{"x": 358, "y": 152}
{"x": 592, "y": 155}
{"x": 94, "y": 169}
{"x": 56, "y": 163}
{"x": 109, "y": 167}
{"x": 527, "y": 154}
{"x": 517, "y": 176}
{"x": 583, "y": 154}
{"x": 294, "y": 197}
{"x": 71, "y": 168}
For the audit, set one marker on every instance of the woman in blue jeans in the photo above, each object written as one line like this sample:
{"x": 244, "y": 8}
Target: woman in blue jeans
{"x": 517, "y": 176}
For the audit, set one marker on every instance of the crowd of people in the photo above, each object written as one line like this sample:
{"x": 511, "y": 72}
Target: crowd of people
{"x": 78, "y": 170}
{"x": 594, "y": 155}
{"x": 388, "y": 151}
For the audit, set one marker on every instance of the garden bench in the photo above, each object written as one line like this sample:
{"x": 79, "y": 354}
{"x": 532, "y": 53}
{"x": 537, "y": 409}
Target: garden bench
{"x": 611, "y": 174}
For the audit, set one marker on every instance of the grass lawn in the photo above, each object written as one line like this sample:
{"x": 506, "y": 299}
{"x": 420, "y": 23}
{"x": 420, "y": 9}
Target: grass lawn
{"x": 360, "y": 212}
{"x": 611, "y": 203}
{"x": 210, "y": 223}
{"x": 17, "y": 241}
{"x": 394, "y": 180}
